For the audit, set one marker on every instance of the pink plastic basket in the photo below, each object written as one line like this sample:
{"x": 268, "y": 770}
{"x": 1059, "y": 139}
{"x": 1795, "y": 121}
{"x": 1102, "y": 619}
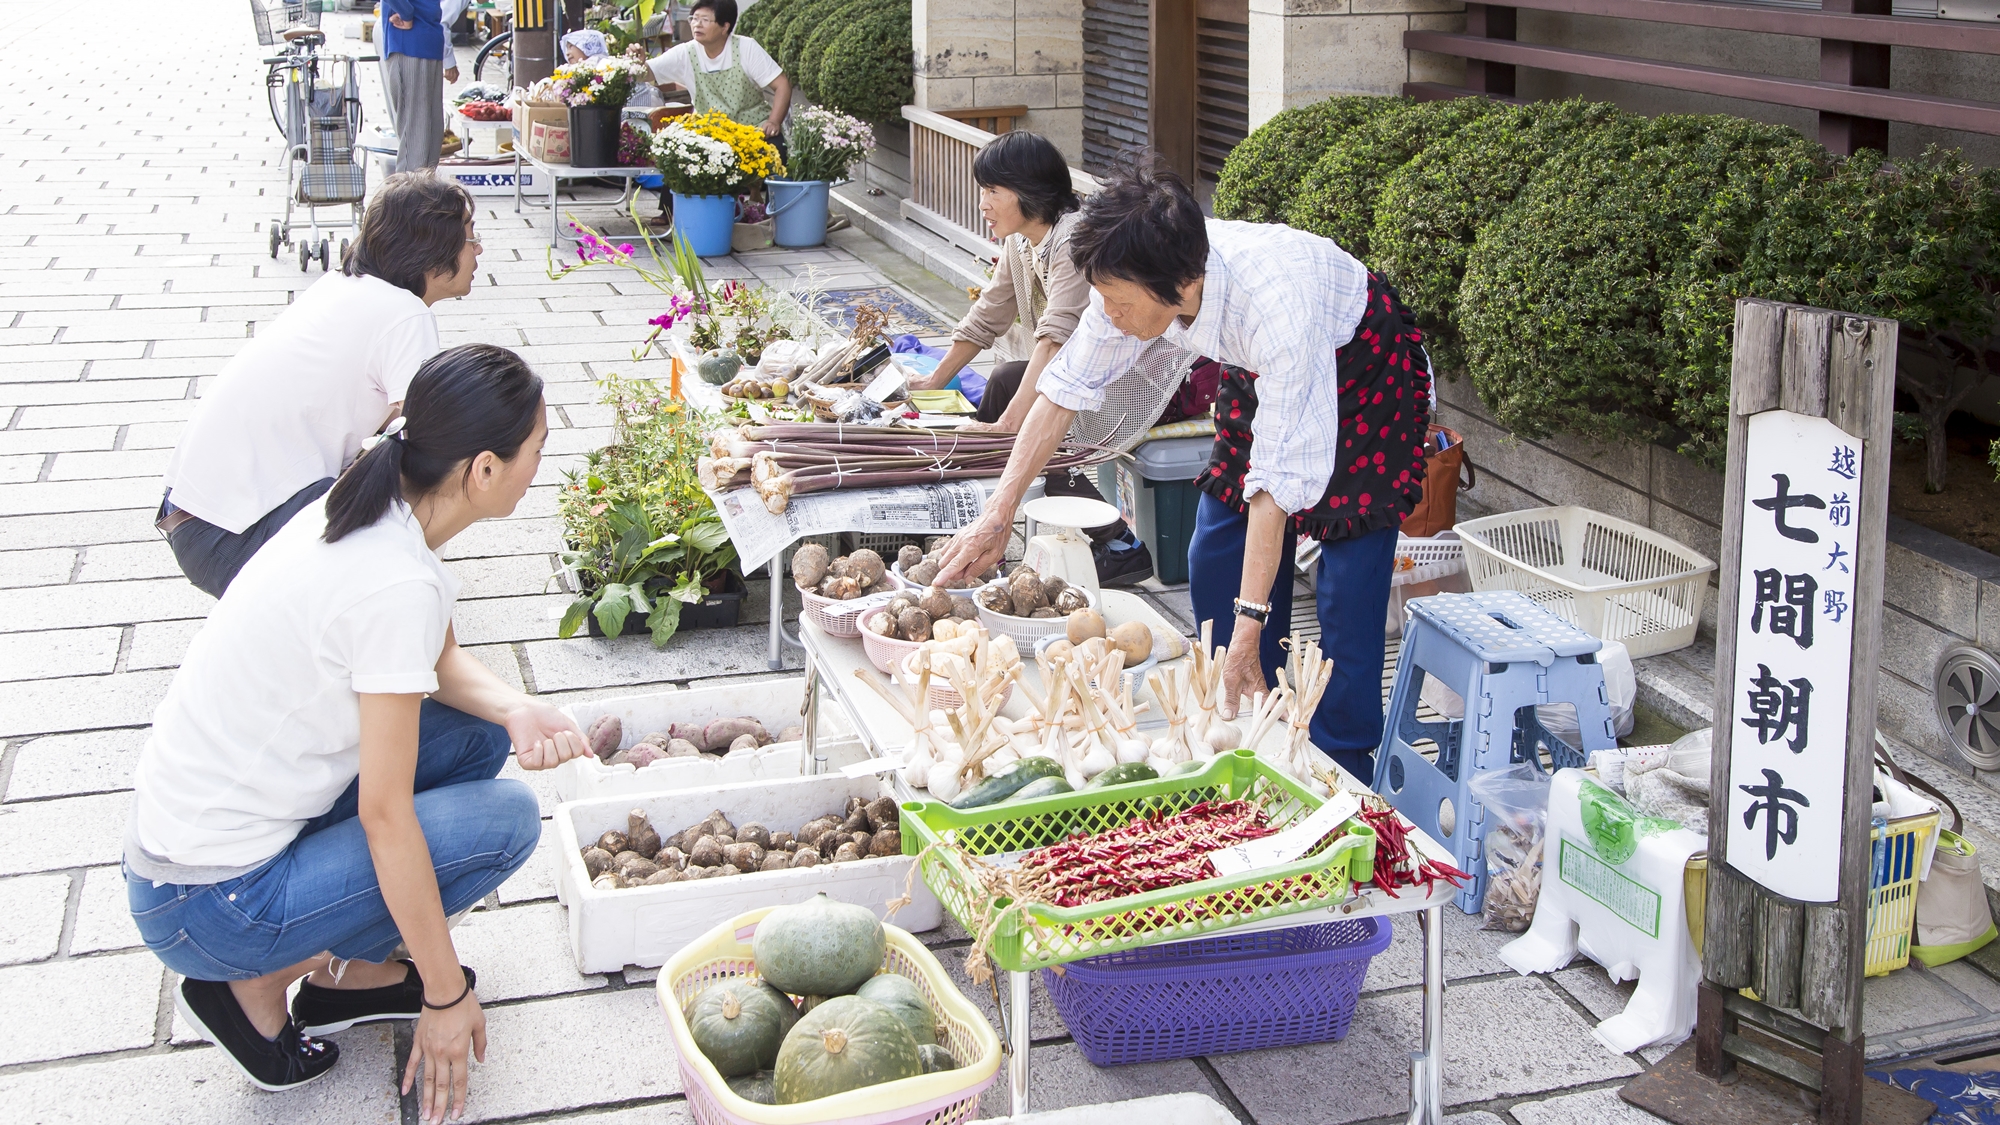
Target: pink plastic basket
{"x": 843, "y": 618}
{"x": 1217, "y": 995}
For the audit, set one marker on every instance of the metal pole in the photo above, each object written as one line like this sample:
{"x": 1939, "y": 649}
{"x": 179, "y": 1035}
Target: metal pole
{"x": 1017, "y": 1034}
{"x": 777, "y": 658}
{"x": 813, "y": 760}
{"x": 1429, "y": 1109}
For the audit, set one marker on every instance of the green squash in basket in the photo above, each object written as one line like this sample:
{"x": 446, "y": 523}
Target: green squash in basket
{"x": 936, "y": 1058}
{"x": 819, "y": 947}
{"x": 717, "y": 368}
{"x": 740, "y": 1025}
{"x": 847, "y": 1043}
{"x": 758, "y": 1087}
{"x": 901, "y": 995}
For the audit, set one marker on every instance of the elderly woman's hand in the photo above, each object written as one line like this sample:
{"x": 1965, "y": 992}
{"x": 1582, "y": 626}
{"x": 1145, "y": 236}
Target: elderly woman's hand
{"x": 400, "y": 23}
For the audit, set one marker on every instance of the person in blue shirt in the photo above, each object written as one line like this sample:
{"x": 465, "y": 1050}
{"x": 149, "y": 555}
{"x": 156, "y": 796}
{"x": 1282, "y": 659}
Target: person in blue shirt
{"x": 417, "y": 61}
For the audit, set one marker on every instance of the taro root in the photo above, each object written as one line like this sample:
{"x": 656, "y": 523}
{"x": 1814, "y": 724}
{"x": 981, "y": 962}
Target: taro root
{"x": 806, "y": 857}
{"x": 682, "y": 748}
{"x": 723, "y": 839}
{"x": 671, "y": 857}
{"x": 914, "y": 625}
{"x": 727, "y": 869}
{"x": 635, "y": 820}
{"x": 923, "y": 574}
{"x": 882, "y": 624}
{"x": 782, "y": 841}
{"x": 646, "y": 841}
{"x": 754, "y": 833}
{"x": 909, "y": 555}
{"x": 792, "y": 733}
{"x": 996, "y": 599}
{"x": 853, "y": 805}
{"x": 841, "y": 589}
{"x": 812, "y": 830}
{"x": 719, "y": 824}
{"x": 694, "y": 872}
{"x": 809, "y": 565}
{"x": 636, "y": 870}
{"x": 618, "y": 858}
{"x": 663, "y": 875}
{"x": 964, "y": 610}
{"x": 596, "y": 861}
{"x": 748, "y": 857}
{"x": 613, "y": 841}
{"x": 1070, "y": 601}
{"x": 641, "y": 756}
{"x": 706, "y": 853}
{"x": 935, "y": 602}
{"x": 862, "y": 841}
{"x": 776, "y": 861}
{"x": 690, "y": 837}
{"x": 1045, "y": 613}
{"x": 609, "y": 881}
{"x": 846, "y": 853}
{"x": 1026, "y": 595}
{"x": 743, "y": 743}
{"x": 1053, "y": 585}
{"x": 865, "y": 566}
{"x": 605, "y": 735}
{"x": 889, "y": 841}
{"x": 883, "y": 812}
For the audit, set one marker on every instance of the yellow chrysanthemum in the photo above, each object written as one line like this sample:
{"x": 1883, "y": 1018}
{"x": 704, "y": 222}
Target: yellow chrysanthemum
{"x": 756, "y": 156}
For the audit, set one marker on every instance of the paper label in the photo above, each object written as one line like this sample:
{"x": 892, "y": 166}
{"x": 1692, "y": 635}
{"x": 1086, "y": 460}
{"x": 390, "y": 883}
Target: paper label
{"x": 884, "y": 385}
{"x": 1288, "y": 845}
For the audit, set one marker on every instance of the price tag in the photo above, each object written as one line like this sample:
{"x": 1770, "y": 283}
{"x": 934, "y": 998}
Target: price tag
{"x": 1288, "y": 845}
{"x": 887, "y": 383}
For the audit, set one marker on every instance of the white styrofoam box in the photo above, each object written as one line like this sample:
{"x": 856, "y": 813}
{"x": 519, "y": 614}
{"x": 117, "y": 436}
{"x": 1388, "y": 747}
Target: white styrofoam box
{"x": 775, "y": 703}
{"x": 610, "y": 929}
{"x": 1164, "y": 1109}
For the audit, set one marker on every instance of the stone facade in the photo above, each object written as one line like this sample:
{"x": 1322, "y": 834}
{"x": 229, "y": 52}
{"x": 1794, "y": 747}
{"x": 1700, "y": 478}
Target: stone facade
{"x": 1303, "y": 51}
{"x": 1004, "y": 52}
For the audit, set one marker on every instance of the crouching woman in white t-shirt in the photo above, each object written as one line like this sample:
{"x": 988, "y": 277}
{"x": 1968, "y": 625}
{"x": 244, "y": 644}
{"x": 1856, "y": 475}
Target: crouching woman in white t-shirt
{"x": 319, "y": 785}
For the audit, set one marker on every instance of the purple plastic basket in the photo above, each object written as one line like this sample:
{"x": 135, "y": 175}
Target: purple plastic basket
{"x": 1220, "y": 994}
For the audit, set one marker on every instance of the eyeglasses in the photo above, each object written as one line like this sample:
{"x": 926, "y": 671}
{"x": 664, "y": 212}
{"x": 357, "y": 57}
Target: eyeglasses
{"x": 701, "y": 21}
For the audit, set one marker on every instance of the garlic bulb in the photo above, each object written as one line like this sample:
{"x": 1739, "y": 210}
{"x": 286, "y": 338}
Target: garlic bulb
{"x": 1132, "y": 750}
{"x": 917, "y": 771}
{"x": 944, "y": 782}
{"x": 1097, "y": 760}
{"x": 1160, "y": 765}
{"x": 1000, "y": 759}
{"x": 1221, "y": 737}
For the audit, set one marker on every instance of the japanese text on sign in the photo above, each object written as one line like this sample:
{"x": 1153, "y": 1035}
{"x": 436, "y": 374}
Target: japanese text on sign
{"x": 1794, "y": 636}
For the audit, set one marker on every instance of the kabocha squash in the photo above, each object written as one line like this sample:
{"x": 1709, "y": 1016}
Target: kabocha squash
{"x": 901, "y": 996}
{"x": 936, "y": 1058}
{"x": 740, "y": 1025}
{"x": 844, "y": 1044}
{"x": 819, "y": 947}
{"x": 756, "y": 1087}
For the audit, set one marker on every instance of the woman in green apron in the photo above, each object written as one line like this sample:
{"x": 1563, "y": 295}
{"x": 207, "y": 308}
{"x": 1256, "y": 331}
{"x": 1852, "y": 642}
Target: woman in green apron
{"x": 726, "y": 71}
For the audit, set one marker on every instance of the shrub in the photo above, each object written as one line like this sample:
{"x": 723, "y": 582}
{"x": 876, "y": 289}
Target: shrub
{"x": 757, "y": 22}
{"x": 867, "y": 70}
{"x": 1562, "y": 305}
{"x": 1263, "y": 172}
{"x": 1431, "y": 209}
{"x": 1337, "y": 198}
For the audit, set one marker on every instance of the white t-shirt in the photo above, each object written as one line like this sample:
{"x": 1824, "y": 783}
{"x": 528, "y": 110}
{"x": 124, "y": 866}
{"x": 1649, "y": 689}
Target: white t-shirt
{"x": 296, "y": 403}
{"x": 261, "y": 729}
{"x": 677, "y": 65}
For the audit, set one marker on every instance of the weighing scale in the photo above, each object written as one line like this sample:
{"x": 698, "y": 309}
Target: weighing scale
{"x": 1059, "y": 547}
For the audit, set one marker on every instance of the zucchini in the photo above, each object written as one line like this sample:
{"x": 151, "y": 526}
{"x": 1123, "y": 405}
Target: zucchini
{"x": 1122, "y": 775}
{"x": 1042, "y": 787}
{"x": 1006, "y": 783}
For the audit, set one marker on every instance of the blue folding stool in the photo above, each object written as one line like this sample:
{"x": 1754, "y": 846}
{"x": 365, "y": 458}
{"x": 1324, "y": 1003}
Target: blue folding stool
{"x": 1504, "y": 655}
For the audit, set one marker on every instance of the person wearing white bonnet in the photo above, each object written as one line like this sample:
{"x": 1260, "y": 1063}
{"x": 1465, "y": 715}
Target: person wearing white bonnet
{"x": 587, "y": 44}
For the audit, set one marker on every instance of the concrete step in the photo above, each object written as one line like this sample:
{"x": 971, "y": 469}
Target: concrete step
{"x": 879, "y": 216}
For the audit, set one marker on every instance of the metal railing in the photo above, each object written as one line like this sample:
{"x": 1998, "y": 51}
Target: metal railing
{"x": 943, "y": 197}
{"x": 1851, "y": 95}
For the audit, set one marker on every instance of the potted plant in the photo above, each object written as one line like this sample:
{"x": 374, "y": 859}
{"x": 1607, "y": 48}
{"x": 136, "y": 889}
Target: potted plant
{"x": 595, "y": 90}
{"x": 825, "y": 146}
{"x": 706, "y": 159}
{"x": 645, "y": 546}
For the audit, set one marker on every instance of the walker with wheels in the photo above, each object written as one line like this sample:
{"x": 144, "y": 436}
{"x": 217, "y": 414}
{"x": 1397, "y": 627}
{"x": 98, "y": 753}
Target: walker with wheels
{"x": 320, "y": 118}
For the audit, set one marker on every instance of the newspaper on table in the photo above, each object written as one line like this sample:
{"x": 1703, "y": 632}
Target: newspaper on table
{"x": 924, "y": 509}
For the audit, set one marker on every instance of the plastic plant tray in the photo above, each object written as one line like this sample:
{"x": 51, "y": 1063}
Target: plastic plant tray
{"x": 1037, "y": 936}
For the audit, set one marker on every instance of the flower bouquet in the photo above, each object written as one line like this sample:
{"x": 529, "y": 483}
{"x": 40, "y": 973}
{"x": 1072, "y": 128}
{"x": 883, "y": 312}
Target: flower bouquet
{"x": 602, "y": 81}
{"x": 694, "y": 163}
{"x": 826, "y": 144}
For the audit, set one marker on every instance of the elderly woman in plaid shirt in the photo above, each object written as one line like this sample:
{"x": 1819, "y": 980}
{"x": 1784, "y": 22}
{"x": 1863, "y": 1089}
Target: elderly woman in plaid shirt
{"x": 1319, "y": 429}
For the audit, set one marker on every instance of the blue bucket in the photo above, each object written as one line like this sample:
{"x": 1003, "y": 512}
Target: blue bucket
{"x": 798, "y": 212}
{"x": 706, "y": 221}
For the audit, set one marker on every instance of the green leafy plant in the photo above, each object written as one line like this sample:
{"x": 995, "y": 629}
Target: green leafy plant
{"x": 866, "y": 71}
{"x": 1262, "y": 173}
{"x": 1337, "y": 198}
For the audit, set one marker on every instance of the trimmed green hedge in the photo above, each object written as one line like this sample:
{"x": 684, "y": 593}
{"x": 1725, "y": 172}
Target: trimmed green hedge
{"x": 851, "y": 55}
{"x": 1582, "y": 264}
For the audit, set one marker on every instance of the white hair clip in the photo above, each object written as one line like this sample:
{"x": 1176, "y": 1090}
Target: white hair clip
{"x": 393, "y": 430}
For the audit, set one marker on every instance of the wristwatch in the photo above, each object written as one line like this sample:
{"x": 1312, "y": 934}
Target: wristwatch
{"x": 1255, "y": 611}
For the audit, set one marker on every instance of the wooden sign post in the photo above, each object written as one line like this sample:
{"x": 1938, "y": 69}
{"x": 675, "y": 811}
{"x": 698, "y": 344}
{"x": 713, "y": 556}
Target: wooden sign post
{"x": 1798, "y": 648}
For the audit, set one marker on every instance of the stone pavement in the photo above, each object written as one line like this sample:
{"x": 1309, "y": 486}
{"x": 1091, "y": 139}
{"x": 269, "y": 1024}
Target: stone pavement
{"x": 133, "y": 205}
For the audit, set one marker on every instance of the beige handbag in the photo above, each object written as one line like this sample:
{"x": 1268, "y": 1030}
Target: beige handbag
{"x": 1953, "y": 917}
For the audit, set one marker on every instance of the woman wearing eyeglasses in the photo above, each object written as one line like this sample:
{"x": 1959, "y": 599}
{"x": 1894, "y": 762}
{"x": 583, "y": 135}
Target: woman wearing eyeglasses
{"x": 726, "y": 71}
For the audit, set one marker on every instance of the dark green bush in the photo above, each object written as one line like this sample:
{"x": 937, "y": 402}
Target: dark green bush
{"x": 793, "y": 28}
{"x": 836, "y": 20}
{"x": 757, "y": 22}
{"x": 867, "y": 70}
{"x": 1432, "y": 208}
{"x": 1565, "y": 292}
{"x": 1263, "y": 172}
{"x": 1337, "y": 198}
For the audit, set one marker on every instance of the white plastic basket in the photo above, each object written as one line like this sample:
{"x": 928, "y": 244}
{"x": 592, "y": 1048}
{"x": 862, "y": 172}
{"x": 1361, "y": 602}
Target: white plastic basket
{"x": 1026, "y": 631}
{"x": 1439, "y": 556}
{"x": 1611, "y": 578}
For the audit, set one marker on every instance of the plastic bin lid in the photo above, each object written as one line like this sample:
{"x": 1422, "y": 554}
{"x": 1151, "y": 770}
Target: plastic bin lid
{"x": 1173, "y": 459}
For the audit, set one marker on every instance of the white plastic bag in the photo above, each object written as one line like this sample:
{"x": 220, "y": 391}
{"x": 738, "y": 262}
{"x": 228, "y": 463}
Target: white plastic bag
{"x": 1517, "y": 808}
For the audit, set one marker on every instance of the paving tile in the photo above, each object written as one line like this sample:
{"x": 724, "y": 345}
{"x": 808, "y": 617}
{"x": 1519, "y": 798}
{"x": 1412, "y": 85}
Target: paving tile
{"x": 21, "y": 468}
{"x": 115, "y": 463}
{"x": 55, "y": 441}
{"x": 517, "y": 1078}
{"x": 503, "y": 576}
{"x": 60, "y": 765}
{"x": 111, "y": 603}
{"x": 31, "y": 916}
{"x": 1366, "y": 1075}
{"x": 1909, "y": 1001}
{"x": 1597, "y": 1107}
{"x": 670, "y": 1113}
{"x": 50, "y": 566}
{"x": 77, "y": 496}
{"x": 521, "y": 952}
{"x": 1061, "y": 1078}
{"x": 75, "y": 529}
{"x": 199, "y": 1084}
{"x": 68, "y": 832}
{"x": 1468, "y": 952}
{"x": 1045, "y": 1022}
{"x": 109, "y": 1003}
{"x": 535, "y": 881}
{"x": 119, "y": 562}
{"x": 502, "y": 620}
{"x": 160, "y": 644}
{"x": 82, "y": 702}
{"x": 103, "y": 914}
{"x": 61, "y": 652}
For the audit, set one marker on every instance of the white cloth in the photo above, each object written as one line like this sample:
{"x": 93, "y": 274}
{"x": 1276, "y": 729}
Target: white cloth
{"x": 1276, "y": 301}
{"x": 261, "y": 728}
{"x": 677, "y": 64}
{"x": 295, "y": 404}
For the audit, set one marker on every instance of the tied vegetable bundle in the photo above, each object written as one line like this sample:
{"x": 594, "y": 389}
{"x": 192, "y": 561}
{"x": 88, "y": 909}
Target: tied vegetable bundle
{"x": 790, "y": 458}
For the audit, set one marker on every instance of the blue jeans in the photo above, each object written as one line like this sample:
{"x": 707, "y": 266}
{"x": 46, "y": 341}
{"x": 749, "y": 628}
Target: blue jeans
{"x": 1351, "y": 591}
{"x": 320, "y": 893}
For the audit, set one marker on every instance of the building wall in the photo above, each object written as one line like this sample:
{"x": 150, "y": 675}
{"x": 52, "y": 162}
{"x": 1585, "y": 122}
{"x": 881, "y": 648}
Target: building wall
{"x": 1004, "y": 52}
{"x": 1303, "y": 51}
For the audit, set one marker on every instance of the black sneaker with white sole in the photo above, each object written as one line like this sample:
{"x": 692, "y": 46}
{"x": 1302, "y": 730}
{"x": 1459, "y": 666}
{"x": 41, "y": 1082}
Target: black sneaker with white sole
{"x": 292, "y": 1059}
{"x": 323, "y": 1011}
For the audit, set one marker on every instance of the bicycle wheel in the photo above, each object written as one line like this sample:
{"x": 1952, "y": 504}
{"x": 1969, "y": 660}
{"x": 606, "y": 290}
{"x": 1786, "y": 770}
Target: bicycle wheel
{"x": 274, "y": 92}
{"x": 499, "y": 54}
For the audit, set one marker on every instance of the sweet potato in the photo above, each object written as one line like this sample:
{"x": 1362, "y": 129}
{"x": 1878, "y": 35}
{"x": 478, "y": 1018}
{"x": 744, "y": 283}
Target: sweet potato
{"x": 754, "y": 833}
{"x": 606, "y": 734}
{"x": 889, "y": 841}
{"x": 743, "y": 744}
{"x": 658, "y": 738}
{"x": 690, "y": 732}
{"x": 643, "y": 755}
{"x": 749, "y": 857}
{"x": 596, "y": 861}
{"x": 613, "y": 841}
{"x": 718, "y": 735}
{"x": 883, "y": 812}
{"x": 682, "y": 748}
{"x": 805, "y": 857}
{"x": 792, "y": 733}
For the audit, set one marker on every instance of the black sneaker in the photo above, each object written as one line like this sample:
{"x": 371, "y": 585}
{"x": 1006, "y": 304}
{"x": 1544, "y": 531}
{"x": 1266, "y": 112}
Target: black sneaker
{"x": 1121, "y": 565}
{"x": 323, "y": 1011}
{"x": 292, "y": 1059}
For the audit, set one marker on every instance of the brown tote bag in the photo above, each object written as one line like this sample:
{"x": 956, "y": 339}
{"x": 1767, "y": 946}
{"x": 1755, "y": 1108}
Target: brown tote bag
{"x": 1447, "y": 472}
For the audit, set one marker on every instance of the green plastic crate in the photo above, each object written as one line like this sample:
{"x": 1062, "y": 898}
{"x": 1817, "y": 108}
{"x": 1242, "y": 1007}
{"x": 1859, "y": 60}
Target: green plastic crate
{"x": 1037, "y": 936}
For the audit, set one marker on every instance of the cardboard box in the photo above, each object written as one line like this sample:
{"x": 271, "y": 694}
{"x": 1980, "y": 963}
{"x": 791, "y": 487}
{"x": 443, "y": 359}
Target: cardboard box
{"x": 545, "y": 129}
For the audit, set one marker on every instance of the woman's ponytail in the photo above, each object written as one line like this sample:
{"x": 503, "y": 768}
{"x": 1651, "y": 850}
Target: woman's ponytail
{"x": 461, "y": 403}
